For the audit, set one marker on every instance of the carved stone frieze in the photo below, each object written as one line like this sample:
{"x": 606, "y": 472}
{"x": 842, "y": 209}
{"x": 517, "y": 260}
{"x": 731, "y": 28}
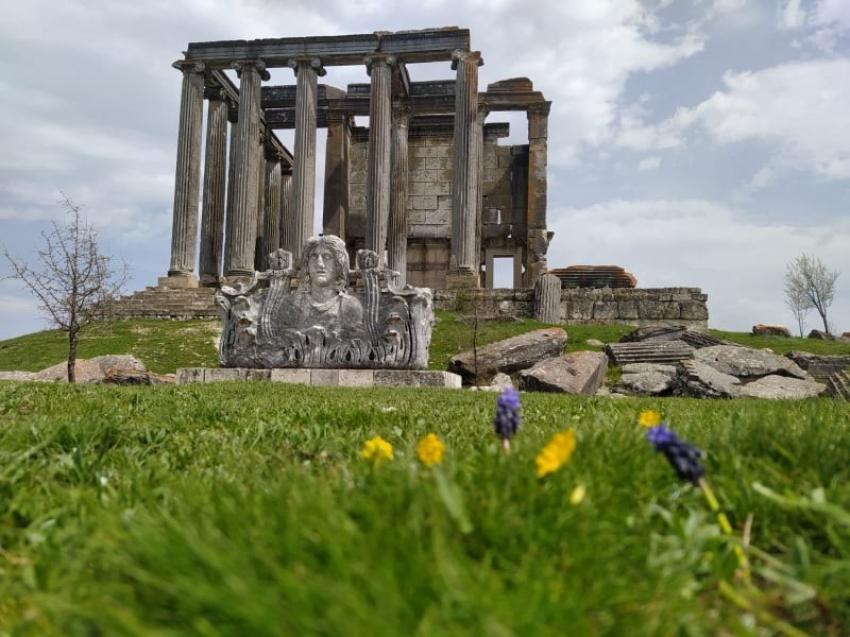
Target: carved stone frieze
{"x": 312, "y": 316}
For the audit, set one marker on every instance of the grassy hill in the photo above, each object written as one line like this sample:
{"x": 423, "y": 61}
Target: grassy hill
{"x": 165, "y": 346}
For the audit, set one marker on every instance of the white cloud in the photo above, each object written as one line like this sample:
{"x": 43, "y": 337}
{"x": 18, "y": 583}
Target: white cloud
{"x": 649, "y": 163}
{"x": 698, "y": 243}
{"x": 791, "y": 14}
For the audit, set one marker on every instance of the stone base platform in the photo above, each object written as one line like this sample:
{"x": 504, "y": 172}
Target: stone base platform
{"x": 319, "y": 377}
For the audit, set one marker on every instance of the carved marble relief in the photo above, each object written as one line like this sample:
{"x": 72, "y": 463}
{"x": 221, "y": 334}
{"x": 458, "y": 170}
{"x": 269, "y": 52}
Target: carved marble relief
{"x": 322, "y": 314}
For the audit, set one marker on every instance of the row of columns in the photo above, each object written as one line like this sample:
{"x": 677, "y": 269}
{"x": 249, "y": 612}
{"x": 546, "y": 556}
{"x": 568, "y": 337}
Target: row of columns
{"x": 254, "y": 191}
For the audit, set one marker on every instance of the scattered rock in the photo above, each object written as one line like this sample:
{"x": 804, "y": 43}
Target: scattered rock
{"x": 779, "y": 387}
{"x": 643, "y": 368}
{"x": 819, "y": 365}
{"x": 654, "y": 333}
{"x": 85, "y": 371}
{"x": 123, "y": 362}
{"x": 771, "y": 330}
{"x": 508, "y": 356}
{"x": 821, "y": 335}
{"x": 699, "y": 380}
{"x": 129, "y": 377}
{"x": 648, "y": 383}
{"x": 747, "y": 363}
{"x": 574, "y": 373}
{"x": 648, "y": 352}
{"x": 17, "y": 375}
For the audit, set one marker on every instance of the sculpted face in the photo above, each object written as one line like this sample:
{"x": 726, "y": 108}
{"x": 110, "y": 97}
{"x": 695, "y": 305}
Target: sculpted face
{"x": 322, "y": 267}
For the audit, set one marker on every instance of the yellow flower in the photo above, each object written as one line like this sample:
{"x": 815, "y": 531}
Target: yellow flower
{"x": 578, "y": 494}
{"x": 430, "y": 450}
{"x": 377, "y": 449}
{"x": 649, "y": 418}
{"x": 556, "y": 453}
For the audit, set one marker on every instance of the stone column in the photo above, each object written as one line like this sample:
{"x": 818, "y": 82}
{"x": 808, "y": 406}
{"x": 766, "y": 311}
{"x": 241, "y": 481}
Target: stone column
{"x": 380, "y": 67}
{"x": 464, "y": 259}
{"x": 547, "y": 299}
{"x": 285, "y": 207}
{"x": 537, "y": 237}
{"x": 478, "y": 189}
{"x": 398, "y": 229}
{"x": 242, "y": 225}
{"x": 307, "y": 71}
{"x": 271, "y": 232}
{"x": 260, "y": 253}
{"x": 336, "y": 174}
{"x": 184, "y": 228}
{"x": 215, "y": 176}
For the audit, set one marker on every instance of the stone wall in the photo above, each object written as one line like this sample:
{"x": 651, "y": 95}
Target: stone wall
{"x": 639, "y": 307}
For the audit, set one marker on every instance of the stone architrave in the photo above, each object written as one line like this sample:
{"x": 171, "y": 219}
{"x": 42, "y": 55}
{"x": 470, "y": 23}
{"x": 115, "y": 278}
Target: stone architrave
{"x": 322, "y": 322}
{"x": 398, "y": 227}
{"x": 509, "y": 355}
{"x": 188, "y": 173}
{"x": 242, "y": 224}
{"x": 547, "y": 299}
{"x": 380, "y": 67}
{"x": 307, "y": 71}
{"x": 465, "y": 175}
{"x": 215, "y": 178}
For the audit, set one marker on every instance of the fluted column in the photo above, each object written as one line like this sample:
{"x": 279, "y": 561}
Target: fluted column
{"x": 184, "y": 229}
{"x": 465, "y": 171}
{"x": 242, "y": 226}
{"x": 215, "y": 175}
{"x": 285, "y": 207}
{"x": 398, "y": 222}
{"x": 336, "y": 174}
{"x": 380, "y": 69}
{"x": 260, "y": 253}
{"x": 537, "y": 238}
{"x": 307, "y": 72}
{"x": 271, "y": 232}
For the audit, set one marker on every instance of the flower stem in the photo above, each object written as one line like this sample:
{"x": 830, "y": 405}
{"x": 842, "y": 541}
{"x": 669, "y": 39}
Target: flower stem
{"x": 723, "y": 521}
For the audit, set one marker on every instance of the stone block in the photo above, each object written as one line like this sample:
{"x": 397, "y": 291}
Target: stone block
{"x": 416, "y": 378}
{"x": 293, "y": 376}
{"x": 356, "y": 377}
{"x": 178, "y": 281}
{"x": 188, "y": 375}
{"x": 324, "y": 377}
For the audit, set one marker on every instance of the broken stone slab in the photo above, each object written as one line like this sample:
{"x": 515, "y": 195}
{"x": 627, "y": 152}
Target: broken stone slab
{"x": 648, "y": 383}
{"x": 508, "y": 356}
{"x": 838, "y": 384}
{"x": 119, "y": 362}
{"x": 748, "y": 363}
{"x": 655, "y": 333}
{"x": 644, "y": 368}
{"x": 819, "y": 365}
{"x": 594, "y": 276}
{"x": 782, "y": 387}
{"x": 698, "y": 340}
{"x": 85, "y": 371}
{"x": 131, "y": 377}
{"x": 648, "y": 352}
{"x": 699, "y": 380}
{"x": 580, "y": 373}
{"x": 17, "y": 375}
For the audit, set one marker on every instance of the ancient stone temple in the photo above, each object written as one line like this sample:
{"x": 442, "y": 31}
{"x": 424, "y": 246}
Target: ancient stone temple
{"x": 427, "y": 186}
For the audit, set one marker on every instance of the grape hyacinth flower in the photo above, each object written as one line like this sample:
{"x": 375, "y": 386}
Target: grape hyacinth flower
{"x": 682, "y": 456}
{"x": 508, "y": 420}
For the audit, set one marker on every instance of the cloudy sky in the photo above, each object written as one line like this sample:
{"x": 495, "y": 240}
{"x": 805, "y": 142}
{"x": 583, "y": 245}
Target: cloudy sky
{"x": 694, "y": 143}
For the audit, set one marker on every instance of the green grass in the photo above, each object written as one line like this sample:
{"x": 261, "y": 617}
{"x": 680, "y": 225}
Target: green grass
{"x": 246, "y": 509}
{"x": 165, "y": 346}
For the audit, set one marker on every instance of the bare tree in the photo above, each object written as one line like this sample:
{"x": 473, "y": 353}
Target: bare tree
{"x": 74, "y": 283}
{"x": 810, "y": 285}
{"x": 798, "y": 305}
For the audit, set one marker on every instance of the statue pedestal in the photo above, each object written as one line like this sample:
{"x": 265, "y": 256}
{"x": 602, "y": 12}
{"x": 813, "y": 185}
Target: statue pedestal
{"x": 323, "y": 377}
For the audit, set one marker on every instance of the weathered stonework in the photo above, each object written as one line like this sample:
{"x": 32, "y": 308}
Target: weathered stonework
{"x": 310, "y": 317}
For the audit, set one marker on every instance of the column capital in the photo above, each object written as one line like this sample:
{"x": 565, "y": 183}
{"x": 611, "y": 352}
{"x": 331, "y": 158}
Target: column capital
{"x": 215, "y": 93}
{"x": 401, "y": 114}
{"x": 379, "y": 59}
{"x": 257, "y": 65}
{"x": 539, "y": 108}
{"x": 189, "y": 66}
{"x": 483, "y": 111}
{"x": 467, "y": 57}
{"x": 307, "y": 62}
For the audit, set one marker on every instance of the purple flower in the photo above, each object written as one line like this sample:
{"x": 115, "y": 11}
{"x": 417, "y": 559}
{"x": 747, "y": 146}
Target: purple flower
{"x": 682, "y": 456}
{"x": 508, "y": 420}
